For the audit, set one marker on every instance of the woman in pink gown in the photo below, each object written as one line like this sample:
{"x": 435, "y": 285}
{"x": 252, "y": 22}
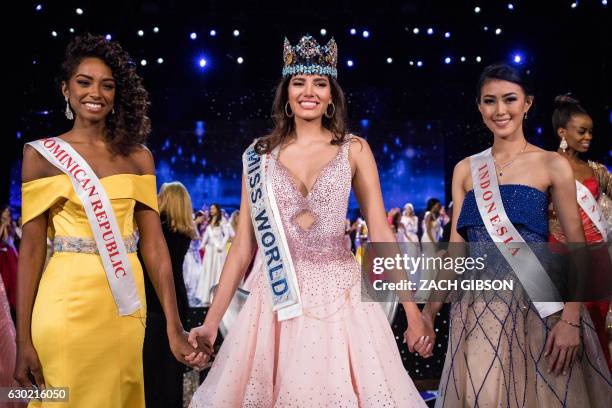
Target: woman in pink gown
{"x": 341, "y": 350}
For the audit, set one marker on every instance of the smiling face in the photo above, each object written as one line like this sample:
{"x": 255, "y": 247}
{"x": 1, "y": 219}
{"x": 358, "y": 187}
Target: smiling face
{"x": 309, "y": 96}
{"x": 503, "y": 105}
{"x": 578, "y": 132}
{"x": 91, "y": 90}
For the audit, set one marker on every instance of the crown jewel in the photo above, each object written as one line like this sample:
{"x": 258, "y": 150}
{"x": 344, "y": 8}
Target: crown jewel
{"x": 308, "y": 57}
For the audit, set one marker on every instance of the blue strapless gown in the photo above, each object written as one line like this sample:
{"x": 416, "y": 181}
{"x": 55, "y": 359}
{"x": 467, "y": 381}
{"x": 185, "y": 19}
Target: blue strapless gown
{"x": 495, "y": 355}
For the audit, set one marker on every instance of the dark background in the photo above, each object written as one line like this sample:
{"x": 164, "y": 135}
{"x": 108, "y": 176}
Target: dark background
{"x": 419, "y": 120}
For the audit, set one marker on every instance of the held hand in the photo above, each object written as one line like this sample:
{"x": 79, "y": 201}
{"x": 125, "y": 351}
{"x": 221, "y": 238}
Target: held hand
{"x": 561, "y": 347}
{"x": 204, "y": 336}
{"x": 420, "y": 336}
{"x": 184, "y": 352}
{"x": 28, "y": 366}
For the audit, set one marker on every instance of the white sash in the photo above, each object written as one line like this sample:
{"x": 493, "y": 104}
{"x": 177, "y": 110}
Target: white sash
{"x": 101, "y": 220}
{"x": 517, "y": 253}
{"x": 589, "y": 205}
{"x": 270, "y": 235}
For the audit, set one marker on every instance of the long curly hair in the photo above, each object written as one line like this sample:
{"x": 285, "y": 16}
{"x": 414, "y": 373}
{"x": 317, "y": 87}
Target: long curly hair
{"x": 129, "y": 125}
{"x": 284, "y": 126}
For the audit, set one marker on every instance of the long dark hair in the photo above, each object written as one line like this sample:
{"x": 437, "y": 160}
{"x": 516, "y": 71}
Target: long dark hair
{"x": 129, "y": 126}
{"x": 431, "y": 203}
{"x": 565, "y": 107}
{"x": 284, "y": 126}
{"x": 214, "y": 220}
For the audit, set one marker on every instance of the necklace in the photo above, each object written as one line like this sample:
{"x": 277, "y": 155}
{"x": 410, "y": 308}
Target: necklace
{"x": 503, "y": 166}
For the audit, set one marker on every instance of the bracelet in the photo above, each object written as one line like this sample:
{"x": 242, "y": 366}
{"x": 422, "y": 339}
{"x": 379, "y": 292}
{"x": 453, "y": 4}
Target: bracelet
{"x": 570, "y": 323}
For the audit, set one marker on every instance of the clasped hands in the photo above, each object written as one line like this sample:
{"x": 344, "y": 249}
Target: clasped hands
{"x": 420, "y": 335}
{"x": 193, "y": 354}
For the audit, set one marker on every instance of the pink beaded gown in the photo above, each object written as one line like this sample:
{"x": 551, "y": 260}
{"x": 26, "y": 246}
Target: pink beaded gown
{"x": 341, "y": 352}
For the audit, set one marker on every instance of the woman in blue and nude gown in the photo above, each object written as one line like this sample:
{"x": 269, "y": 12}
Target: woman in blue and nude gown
{"x": 501, "y": 353}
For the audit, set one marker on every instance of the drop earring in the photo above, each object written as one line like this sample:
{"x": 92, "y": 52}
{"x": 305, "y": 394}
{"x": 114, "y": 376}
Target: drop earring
{"x": 68, "y": 112}
{"x": 563, "y": 144}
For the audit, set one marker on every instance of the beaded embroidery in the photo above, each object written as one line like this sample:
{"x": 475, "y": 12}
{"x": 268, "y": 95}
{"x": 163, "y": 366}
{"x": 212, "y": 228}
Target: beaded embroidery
{"x": 88, "y": 246}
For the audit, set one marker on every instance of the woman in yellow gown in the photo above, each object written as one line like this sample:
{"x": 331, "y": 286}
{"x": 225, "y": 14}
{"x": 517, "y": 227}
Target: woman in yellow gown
{"x": 69, "y": 332}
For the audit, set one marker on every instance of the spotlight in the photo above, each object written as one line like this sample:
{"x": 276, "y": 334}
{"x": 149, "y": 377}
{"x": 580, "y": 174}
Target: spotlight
{"x": 160, "y": 60}
{"x": 109, "y": 37}
{"x": 323, "y": 31}
{"x": 353, "y": 31}
{"x": 415, "y": 30}
{"x": 193, "y": 36}
{"x": 389, "y": 60}
{"x": 240, "y": 60}
{"x": 430, "y": 31}
{"x": 71, "y": 30}
{"x": 517, "y": 58}
{"x": 213, "y": 33}
{"x": 350, "y": 63}
{"x": 38, "y": 7}
{"x": 574, "y": 5}
{"x": 476, "y": 9}
{"x": 447, "y": 34}
{"x": 486, "y": 28}
{"x": 143, "y": 62}
{"x": 156, "y": 29}
{"x": 54, "y": 33}
{"x": 462, "y": 59}
{"x": 236, "y": 33}
{"x": 202, "y": 62}
{"x": 510, "y": 6}
{"x": 498, "y": 31}
{"x": 604, "y": 2}
{"x": 419, "y": 63}
{"x": 79, "y": 11}
{"x": 365, "y": 33}
{"x": 447, "y": 60}
{"x": 140, "y": 33}
{"x": 411, "y": 63}
{"x": 478, "y": 59}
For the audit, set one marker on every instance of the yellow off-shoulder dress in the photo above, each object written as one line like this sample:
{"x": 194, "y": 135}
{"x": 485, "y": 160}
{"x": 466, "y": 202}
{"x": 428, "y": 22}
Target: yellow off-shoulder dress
{"x": 81, "y": 340}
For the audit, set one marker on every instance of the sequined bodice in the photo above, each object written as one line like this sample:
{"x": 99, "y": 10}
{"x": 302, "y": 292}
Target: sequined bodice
{"x": 526, "y": 207}
{"x": 327, "y": 202}
{"x": 325, "y": 268}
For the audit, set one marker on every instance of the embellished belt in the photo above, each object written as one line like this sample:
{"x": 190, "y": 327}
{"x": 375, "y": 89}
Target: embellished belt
{"x": 88, "y": 246}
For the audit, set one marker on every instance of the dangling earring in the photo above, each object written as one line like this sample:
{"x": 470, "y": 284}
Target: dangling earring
{"x": 563, "y": 144}
{"x": 289, "y": 115}
{"x": 68, "y": 111}
{"x": 113, "y": 110}
{"x": 329, "y": 116}
{"x": 525, "y": 117}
